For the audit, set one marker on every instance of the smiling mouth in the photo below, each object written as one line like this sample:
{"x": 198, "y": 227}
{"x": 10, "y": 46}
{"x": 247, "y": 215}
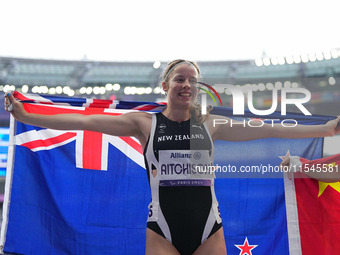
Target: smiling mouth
{"x": 185, "y": 94}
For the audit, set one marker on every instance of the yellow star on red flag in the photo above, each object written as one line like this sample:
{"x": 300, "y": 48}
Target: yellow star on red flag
{"x": 324, "y": 185}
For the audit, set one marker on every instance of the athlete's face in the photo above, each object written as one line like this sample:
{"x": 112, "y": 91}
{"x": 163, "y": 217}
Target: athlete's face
{"x": 181, "y": 86}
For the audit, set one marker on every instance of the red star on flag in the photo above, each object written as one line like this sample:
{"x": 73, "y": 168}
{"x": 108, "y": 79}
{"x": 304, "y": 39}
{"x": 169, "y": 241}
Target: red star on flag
{"x": 245, "y": 247}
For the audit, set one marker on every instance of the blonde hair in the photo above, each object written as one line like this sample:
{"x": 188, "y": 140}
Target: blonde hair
{"x": 173, "y": 64}
{"x": 195, "y": 107}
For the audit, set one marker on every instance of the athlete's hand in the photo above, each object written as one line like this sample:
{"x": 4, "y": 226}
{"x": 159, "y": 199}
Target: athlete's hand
{"x": 13, "y": 106}
{"x": 285, "y": 162}
{"x": 287, "y": 168}
{"x": 333, "y": 126}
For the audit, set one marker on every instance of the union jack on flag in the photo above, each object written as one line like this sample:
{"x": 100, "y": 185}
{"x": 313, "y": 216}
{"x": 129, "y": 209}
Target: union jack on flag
{"x": 91, "y": 147}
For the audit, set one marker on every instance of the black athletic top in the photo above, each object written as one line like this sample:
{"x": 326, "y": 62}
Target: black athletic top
{"x": 179, "y": 162}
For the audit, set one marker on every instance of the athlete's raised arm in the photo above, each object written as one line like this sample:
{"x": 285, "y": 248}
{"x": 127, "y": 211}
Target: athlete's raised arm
{"x": 129, "y": 124}
{"x": 223, "y": 128}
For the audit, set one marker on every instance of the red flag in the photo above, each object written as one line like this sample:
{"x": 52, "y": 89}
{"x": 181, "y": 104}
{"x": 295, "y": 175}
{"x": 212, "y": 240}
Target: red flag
{"x": 318, "y": 208}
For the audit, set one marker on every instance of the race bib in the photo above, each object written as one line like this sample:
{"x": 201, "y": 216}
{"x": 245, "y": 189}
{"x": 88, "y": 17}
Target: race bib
{"x": 185, "y": 168}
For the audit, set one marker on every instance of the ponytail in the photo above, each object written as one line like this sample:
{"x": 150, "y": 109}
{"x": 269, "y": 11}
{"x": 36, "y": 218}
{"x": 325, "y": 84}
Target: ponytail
{"x": 196, "y": 113}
